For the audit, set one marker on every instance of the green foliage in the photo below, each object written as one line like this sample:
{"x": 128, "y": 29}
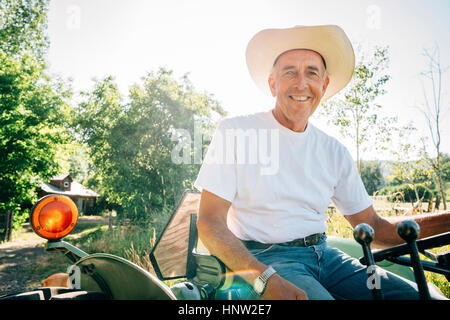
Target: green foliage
{"x": 445, "y": 167}
{"x": 72, "y": 157}
{"x": 131, "y": 144}
{"x": 23, "y": 25}
{"x": 411, "y": 167}
{"x": 354, "y": 110}
{"x": 407, "y": 177}
{"x": 30, "y": 127}
{"x": 20, "y": 218}
{"x": 372, "y": 176}
{"x": 33, "y": 107}
{"x": 407, "y": 170}
{"x": 406, "y": 192}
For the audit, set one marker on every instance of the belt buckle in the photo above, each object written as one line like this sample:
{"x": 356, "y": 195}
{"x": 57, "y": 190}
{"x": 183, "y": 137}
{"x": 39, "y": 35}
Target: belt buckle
{"x": 311, "y": 240}
{"x": 304, "y": 242}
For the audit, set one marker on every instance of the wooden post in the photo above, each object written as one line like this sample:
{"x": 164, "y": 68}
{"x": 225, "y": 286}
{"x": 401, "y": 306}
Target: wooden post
{"x": 7, "y": 226}
{"x": 110, "y": 220}
{"x": 430, "y": 203}
{"x": 10, "y": 225}
{"x": 438, "y": 202}
{"x": 411, "y": 197}
{"x": 2, "y": 226}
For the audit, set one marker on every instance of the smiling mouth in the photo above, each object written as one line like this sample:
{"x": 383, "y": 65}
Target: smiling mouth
{"x": 300, "y": 98}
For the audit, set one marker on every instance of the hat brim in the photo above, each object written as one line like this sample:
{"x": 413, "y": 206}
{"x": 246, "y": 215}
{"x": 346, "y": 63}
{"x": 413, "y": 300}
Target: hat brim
{"x": 329, "y": 41}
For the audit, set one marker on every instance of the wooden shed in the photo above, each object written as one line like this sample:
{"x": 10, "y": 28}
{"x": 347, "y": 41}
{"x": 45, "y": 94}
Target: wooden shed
{"x": 83, "y": 197}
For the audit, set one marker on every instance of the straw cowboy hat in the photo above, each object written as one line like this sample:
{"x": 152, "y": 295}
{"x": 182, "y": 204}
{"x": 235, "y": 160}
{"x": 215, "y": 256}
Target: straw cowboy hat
{"x": 329, "y": 41}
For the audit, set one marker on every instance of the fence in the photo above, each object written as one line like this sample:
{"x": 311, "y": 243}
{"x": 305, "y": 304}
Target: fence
{"x": 6, "y": 225}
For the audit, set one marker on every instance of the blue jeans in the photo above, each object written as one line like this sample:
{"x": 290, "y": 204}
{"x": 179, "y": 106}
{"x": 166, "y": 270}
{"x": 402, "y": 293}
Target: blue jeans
{"x": 327, "y": 273}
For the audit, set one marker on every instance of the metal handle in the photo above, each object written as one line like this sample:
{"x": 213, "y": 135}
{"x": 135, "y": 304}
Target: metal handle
{"x": 364, "y": 235}
{"x": 409, "y": 231}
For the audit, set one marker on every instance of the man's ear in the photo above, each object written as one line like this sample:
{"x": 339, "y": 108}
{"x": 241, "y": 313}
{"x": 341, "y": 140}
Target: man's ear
{"x": 325, "y": 85}
{"x": 271, "y": 82}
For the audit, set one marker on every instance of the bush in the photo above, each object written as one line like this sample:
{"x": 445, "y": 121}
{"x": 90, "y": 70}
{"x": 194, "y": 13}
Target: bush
{"x": 405, "y": 192}
{"x": 372, "y": 176}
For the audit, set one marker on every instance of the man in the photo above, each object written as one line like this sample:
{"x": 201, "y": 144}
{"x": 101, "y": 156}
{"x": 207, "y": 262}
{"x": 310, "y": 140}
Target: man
{"x": 269, "y": 225}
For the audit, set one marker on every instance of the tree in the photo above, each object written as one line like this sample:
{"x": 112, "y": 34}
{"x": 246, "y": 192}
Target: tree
{"x": 372, "y": 176}
{"x": 23, "y": 26}
{"x": 354, "y": 110}
{"x": 433, "y": 111}
{"x": 72, "y": 157}
{"x": 30, "y": 129}
{"x": 32, "y": 106}
{"x": 131, "y": 145}
{"x": 445, "y": 167}
{"x": 411, "y": 166}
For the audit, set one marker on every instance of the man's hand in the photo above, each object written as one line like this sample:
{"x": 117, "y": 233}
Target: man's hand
{"x": 281, "y": 289}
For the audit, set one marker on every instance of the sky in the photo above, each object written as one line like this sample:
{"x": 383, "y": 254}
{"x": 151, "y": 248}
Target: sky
{"x": 207, "y": 39}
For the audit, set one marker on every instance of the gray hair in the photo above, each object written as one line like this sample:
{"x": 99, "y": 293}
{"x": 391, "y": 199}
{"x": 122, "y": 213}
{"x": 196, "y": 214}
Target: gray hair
{"x": 323, "y": 60}
{"x": 324, "y": 72}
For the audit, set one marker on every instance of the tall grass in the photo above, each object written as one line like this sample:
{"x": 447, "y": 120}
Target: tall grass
{"x": 131, "y": 242}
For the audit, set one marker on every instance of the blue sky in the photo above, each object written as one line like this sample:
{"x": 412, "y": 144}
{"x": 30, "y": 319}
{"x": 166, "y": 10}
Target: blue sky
{"x": 208, "y": 38}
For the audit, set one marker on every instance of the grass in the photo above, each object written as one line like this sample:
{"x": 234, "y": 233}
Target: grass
{"x": 130, "y": 242}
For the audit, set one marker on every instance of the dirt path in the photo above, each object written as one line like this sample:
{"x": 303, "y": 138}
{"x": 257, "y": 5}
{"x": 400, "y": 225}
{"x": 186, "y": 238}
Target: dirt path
{"x": 20, "y": 256}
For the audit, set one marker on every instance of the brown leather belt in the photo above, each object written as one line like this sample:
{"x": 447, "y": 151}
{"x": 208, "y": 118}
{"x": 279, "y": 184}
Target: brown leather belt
{"x": 302, "y": 242}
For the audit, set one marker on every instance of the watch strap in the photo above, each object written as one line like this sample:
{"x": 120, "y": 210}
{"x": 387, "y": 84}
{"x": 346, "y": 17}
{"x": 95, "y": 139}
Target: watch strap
{"x": 267, "y": 274}
{"x": 264, "y": 277}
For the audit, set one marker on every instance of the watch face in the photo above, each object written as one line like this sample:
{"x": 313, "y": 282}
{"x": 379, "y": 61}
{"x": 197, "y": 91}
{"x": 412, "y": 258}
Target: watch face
{"x": 258, "y": 285}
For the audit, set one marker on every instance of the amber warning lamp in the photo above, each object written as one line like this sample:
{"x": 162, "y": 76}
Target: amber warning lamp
{"x": 54, "y": 216}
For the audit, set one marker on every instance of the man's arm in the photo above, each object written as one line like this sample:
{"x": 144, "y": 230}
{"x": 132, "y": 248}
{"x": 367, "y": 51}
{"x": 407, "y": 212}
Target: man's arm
{"x": 386, "y": 227}
{"x": 222, "y": 243}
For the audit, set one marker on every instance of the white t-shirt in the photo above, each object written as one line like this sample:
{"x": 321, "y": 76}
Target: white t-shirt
{"x": 279, "y": 182}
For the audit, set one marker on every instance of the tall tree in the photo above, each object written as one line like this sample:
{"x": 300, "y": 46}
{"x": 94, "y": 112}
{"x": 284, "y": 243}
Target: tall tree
{"x": 433, "y": 111}
{"x": 23, "y": 27}
{"x": 410, "y": 165}
{"x": 32, "y": 106}
{"x": 355, "y": 111}
{"x": 132, "y": 144}
{"x": 30, "y": 128}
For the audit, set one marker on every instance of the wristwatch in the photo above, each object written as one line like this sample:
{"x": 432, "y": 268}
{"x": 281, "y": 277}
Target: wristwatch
{"x": 260, "y": 283}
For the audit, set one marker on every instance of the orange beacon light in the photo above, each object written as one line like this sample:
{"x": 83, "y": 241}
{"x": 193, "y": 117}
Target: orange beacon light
{"x": 54, "y": 216}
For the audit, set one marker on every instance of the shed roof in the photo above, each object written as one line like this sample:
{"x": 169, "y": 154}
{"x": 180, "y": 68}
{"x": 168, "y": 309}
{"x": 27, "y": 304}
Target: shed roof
{"x": 76, "y": 189}
{"x": 60, "y": 177}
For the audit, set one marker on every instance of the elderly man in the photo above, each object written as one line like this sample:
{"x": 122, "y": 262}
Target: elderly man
{"x": 270, "y": 225}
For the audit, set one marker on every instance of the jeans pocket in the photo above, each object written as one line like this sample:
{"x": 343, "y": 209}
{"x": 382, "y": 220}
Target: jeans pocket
{"x": 257, "y": 252}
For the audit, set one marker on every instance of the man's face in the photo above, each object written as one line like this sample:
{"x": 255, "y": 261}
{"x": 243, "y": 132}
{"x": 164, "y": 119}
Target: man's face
{"x": 298, "y": 83}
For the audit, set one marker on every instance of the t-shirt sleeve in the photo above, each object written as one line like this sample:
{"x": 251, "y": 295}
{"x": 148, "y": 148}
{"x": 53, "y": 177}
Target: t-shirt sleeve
{"x": 350, "y": 195}
{"x": 218, "y": 172}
